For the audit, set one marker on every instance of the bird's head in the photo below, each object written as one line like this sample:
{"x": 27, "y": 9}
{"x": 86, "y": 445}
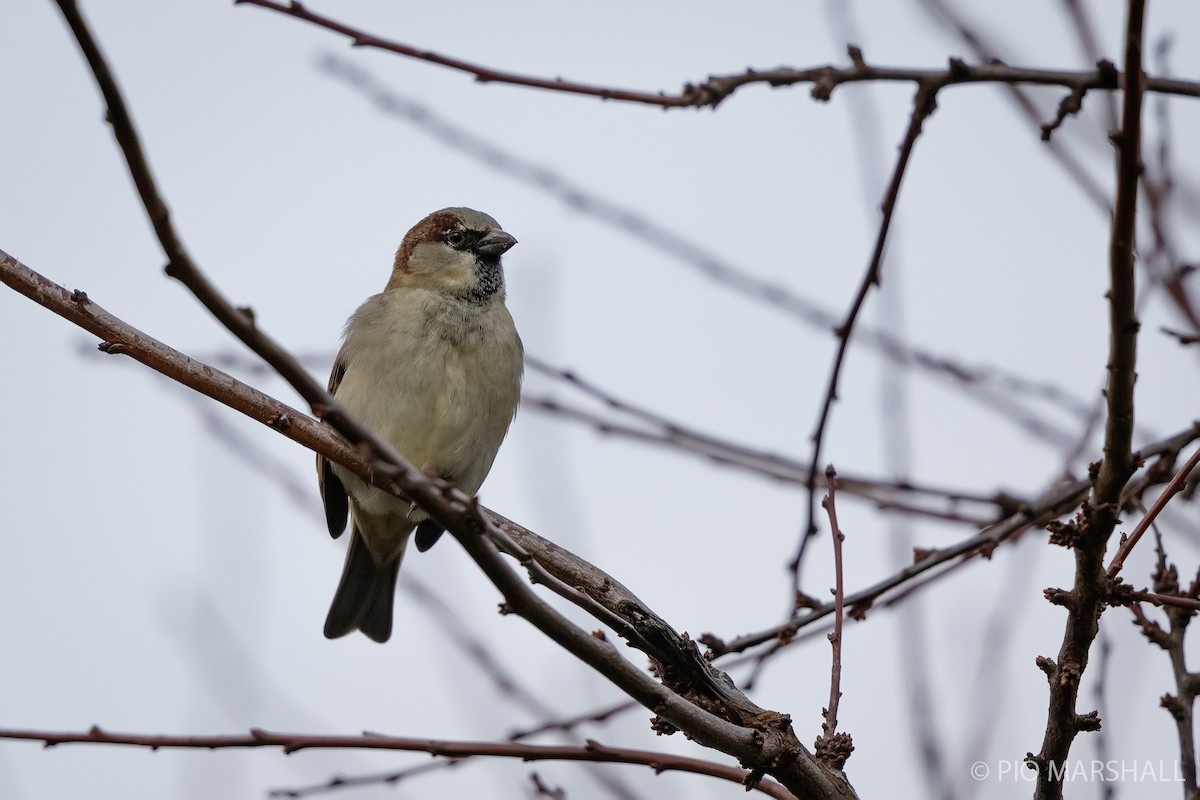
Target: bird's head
{"x": 456, "y": 251}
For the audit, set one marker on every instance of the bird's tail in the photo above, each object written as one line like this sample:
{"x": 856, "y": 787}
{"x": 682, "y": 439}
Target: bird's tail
{"x": 365, "y": 595}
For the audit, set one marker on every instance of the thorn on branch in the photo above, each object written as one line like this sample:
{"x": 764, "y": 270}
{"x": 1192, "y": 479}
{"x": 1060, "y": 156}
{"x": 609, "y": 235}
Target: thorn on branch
{"x": 856, "y": 56}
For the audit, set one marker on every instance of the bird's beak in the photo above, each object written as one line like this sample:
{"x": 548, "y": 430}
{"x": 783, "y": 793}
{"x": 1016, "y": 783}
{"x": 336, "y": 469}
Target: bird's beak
{"x": 494, "y": 244}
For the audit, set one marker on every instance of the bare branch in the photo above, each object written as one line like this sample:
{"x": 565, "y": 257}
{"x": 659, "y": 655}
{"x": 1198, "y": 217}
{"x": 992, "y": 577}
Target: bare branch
{"x": 924, "y": 104}
{"x": 1057, "y": 501}
{"x": 1181, "y": 705}
{"x": 832, "y": 747}
{"x": 1173, "y": 488}
{"x": 771, "y": 748}
{"x": 992, "y": 387}
{"x": 1088, "y": 597}
{"x": 295, "y": 742}
{"x": 711, "y": 92}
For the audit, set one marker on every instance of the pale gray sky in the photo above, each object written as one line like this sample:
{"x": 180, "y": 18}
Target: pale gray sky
{"x": 153, "y": 581}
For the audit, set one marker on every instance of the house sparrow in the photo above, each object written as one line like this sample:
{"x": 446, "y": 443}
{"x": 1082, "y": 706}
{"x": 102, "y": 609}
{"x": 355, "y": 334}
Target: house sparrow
{"x": 432, "y": 365}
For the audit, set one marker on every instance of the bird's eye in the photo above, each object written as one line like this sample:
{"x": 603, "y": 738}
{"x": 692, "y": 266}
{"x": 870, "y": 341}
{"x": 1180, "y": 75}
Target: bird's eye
{"x": 456, "y": 238}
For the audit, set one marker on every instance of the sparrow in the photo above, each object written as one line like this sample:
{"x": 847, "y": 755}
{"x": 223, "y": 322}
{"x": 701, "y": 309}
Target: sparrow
{"x": 433, "y": 365}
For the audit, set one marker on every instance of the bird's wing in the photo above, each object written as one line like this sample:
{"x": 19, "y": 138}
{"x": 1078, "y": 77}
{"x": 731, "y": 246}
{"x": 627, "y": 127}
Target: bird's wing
{"x": 333, "y": 494}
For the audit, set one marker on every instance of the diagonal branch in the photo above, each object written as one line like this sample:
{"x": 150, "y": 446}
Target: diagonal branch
{"x": 762, "y": 740}
{"x": 1173, "y": 488}
{"x": 924, "y": 104}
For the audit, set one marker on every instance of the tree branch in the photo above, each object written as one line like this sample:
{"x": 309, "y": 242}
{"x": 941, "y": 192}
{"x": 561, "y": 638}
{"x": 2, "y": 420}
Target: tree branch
{"x": 1173, "y": 488}
{"x": 1059, "y": 500}
{"x": 832, "y": 747}
{"x": 711, "y": 92}
{"x": 294, "y": 742}
{"x": 924, "y": 104}
{"x": 1086, "y": 600}
{"x": 771, "y": 748}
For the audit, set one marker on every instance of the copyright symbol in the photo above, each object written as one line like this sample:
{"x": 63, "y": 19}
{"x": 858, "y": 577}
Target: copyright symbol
{"x": 980, "y": 771}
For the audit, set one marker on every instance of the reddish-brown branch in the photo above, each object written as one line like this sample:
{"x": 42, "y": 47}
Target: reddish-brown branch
{"x": 833, "y": 747}
{"x": 1088, "y": 597}
{"x": 711, "y": 92}
{"x": 924, "y": 104}
{"x": 1173, "y": 488}
{"x": 294, "y": 742}
{"x": 1171, "y": 600}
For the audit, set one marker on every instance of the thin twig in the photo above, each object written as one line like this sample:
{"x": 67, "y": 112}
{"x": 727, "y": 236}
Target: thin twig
{"x": 570, "y": 723}
{"x": 1173, "y": 488}
{"x": 833, "y": 747}
{"x": 924, "y": 104}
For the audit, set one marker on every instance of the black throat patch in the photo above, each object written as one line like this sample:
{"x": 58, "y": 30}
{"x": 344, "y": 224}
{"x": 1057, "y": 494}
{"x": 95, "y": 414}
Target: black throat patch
{"x": 489, "y": 279}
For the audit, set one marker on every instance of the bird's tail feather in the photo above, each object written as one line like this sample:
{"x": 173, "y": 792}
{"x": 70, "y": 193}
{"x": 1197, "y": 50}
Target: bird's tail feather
{"x": 365, "y": 595}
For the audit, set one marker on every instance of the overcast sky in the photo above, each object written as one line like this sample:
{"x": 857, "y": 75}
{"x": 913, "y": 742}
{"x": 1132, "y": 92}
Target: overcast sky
{"x": 164, "y": 565}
